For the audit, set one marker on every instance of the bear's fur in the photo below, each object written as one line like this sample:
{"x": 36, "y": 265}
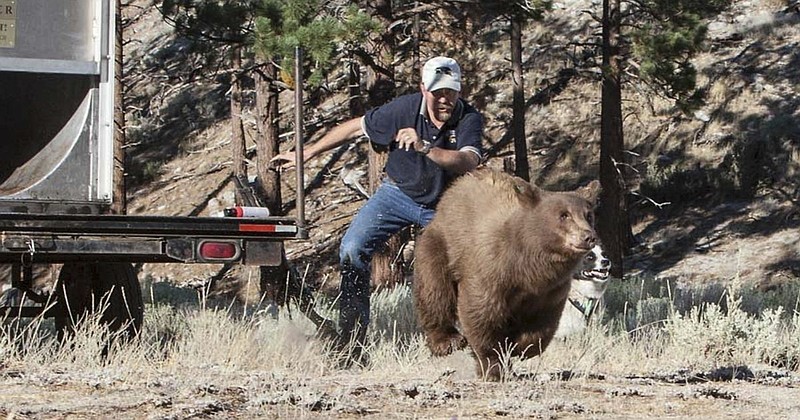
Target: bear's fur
{"x": 497, "y": 259}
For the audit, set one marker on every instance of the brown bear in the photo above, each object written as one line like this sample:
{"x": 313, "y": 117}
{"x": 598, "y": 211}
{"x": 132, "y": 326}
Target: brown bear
{"x": 498, "y": 259}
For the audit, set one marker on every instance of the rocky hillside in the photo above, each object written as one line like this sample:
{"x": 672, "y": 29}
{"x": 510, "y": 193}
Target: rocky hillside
{"x": 715, "y": 197}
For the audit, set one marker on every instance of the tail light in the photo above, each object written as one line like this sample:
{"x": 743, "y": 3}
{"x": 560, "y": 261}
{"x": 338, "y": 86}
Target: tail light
{"x": 219, "y": 250}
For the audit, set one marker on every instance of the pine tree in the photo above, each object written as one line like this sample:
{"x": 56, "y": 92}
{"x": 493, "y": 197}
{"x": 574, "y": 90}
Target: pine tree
{"x": 518, "y": 14}
{"x": 266, "y": 33}
{"x": 664, "y": 35}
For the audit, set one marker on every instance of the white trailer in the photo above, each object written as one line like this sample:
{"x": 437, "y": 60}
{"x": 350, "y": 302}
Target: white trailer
{"x": 57, "y": 78}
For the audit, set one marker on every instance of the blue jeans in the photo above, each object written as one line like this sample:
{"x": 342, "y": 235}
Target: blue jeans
{"x": 387, "y": 212}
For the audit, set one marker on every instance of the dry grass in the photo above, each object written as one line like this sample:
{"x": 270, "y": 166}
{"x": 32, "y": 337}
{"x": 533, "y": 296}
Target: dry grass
{"x": 648, "y": 332}
{"x": 211, "y": 358}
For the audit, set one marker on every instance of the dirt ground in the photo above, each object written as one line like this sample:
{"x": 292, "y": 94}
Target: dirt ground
{"x": 447, "y": 393}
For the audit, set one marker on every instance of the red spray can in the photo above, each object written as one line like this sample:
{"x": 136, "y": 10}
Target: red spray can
{"x": 246, "y": 211}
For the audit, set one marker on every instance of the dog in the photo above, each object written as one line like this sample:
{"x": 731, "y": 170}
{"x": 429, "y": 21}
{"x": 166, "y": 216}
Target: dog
{"x": 589, "y": 283}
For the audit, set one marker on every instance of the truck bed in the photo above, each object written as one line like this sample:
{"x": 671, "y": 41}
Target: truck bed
{"x": 64, "y": 238}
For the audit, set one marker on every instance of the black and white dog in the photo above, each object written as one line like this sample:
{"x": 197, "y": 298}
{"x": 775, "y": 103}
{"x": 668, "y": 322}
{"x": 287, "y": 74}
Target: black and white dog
{"x": 589, "y": 283}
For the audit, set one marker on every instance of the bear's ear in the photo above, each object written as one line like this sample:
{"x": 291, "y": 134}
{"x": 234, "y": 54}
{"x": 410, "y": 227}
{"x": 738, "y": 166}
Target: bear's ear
{"x": 590, "y": 191}
{"x": 527, "y": 191}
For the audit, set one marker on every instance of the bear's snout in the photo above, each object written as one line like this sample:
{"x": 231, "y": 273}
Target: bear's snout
{"x": 582, "y": 240}
{"x": 590, "y": 239}
{"x": 584, "y": 228}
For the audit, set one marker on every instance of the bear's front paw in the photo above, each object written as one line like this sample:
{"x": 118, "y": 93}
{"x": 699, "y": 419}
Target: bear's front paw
{"x": 444, "y": 344}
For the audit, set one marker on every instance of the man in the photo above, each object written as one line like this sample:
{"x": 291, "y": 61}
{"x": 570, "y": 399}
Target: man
{"x": 432, "y": 136}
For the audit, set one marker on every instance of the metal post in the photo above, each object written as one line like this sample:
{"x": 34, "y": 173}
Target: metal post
{"x": 298, "y": 134}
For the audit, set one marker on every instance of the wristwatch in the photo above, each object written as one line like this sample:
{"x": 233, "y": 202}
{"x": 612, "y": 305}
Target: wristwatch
{"x": 426, "y": 147}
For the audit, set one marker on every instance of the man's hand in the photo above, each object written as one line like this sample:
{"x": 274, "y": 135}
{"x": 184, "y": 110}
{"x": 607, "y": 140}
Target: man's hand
{"x": 407, "y": 139}
{"x": 338, "y": 136}
{"x": 285, "y": 160}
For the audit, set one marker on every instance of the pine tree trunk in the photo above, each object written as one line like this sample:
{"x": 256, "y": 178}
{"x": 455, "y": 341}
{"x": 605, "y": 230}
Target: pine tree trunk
{"x": 522, "y": 168}
{"x": 267, "y": 138}
{"x": 273, "y": 279}
{"x": 381, "y": 88}
{"x": 239, "y": 169}
{"x": 119, "y": 202}
{"x": 613, "y": 223}
{"x": 355, "y": 103}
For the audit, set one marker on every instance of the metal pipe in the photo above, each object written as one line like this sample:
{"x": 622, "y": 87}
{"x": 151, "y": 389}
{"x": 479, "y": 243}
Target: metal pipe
{"x": 302, "y": 232}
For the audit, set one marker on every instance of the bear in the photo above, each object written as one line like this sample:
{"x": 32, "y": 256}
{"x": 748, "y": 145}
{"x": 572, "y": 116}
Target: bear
{"x": 493, "y": 268}
{"x": 589, "y": 284}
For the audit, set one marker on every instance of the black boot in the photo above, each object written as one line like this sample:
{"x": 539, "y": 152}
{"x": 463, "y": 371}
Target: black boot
{"x": 353, "y": 318}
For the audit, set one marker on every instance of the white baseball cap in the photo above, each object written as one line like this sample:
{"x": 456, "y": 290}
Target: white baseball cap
{"x": 441, "y": 73}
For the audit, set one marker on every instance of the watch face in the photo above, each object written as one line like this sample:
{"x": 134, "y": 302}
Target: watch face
{"x": 426, "y": 147}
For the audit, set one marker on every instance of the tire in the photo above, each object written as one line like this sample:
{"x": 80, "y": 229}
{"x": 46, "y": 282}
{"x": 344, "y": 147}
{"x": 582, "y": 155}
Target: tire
{"x": 82, "y": 287}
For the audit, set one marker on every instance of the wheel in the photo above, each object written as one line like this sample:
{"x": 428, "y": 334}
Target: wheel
{"x": 83, "y": 287}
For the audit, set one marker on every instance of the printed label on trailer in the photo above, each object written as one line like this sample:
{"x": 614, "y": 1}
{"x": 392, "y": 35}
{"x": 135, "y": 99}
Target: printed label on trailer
{"x": 268, "y": 228}
{"x": 8, "y": 23}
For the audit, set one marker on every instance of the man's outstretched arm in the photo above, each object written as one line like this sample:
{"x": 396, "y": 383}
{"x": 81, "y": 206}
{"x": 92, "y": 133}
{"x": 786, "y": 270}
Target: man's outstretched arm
{"x": 337, "y": 136}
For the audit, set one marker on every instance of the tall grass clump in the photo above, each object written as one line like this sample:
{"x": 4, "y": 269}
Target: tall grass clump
{"x": 90, "y": 349}
{"x": 645, "y": 301}
{"x": 282, "y": 341}
{"x": 650, "y": 325}
{"x": 220, "y": 336}
{"x": 209, "y": 336}
{"x": 392, "y": 315}
{"x": 213, "y": 339}
{"x": 22, "y": 339}
{"x": 711, "y": 335}
{"x": 647, "y": 326}
{"x": 395, "y": 342}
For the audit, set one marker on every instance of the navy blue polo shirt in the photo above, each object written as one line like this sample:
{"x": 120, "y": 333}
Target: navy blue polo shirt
{"x": 414, "y": 173}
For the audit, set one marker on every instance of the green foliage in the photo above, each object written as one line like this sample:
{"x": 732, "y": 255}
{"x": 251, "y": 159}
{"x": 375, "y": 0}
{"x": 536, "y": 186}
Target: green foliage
{"x": 666, "y": 35}
{"x": 210, "y": 20}
{"x": 273, "y": 28}
{"x": 281, "y": 26}
{"x": 679, "y": 9}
